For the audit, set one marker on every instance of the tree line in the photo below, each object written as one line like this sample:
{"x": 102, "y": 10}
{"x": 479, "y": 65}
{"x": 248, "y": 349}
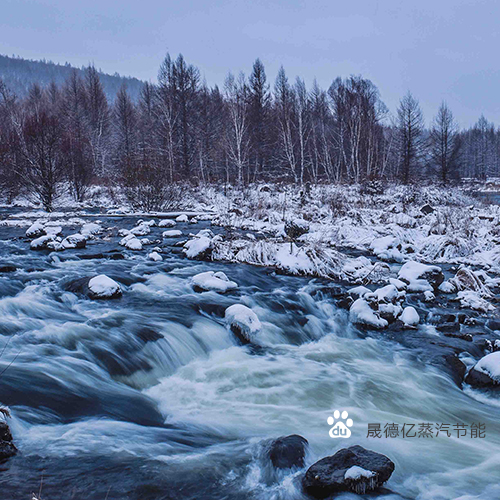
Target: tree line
{"x": 69, "y": 136}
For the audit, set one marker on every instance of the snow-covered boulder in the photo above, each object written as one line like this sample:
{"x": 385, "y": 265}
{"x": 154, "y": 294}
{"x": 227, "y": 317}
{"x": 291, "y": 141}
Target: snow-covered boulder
{"x": 429, "y": 296}
{"x": 486, "y": 372}
{"x": 473, "y": 300}
{"x": 74, "y": 241}
{"x": 193, "y": 220}
{"x": 410, "y": 317}
{"x": 213, "y": 281}
{"x": 131, "y": 242}
{"x": 296, "y": 228}
{"x": 91, "y": 229}
{"x": 155, "y": 256}
{"x": 103, "y": 287}
{"x": 421, "y": 277}
{"x": 35, "y": 230}
{"x": 197, "y": 248}
{"x": 52, "y": 229}
{"x": 359, "y": 291}
{"x": 243, "y": 322}
{"x": 361, "y": 313}
{"x": 182, "y": 218}
{"x": 387, "y": 248}
{"x": 41, "y": 242}
{"x": 167, "y": 223}
{"x": 141, "y": 230}
{"x": 350, "y": 469}
{"x": 447, "y": 287}
{"x": 172, "y": 233}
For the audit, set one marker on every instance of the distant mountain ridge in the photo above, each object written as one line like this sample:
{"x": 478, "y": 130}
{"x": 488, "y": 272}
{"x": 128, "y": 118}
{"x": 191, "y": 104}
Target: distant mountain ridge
{"x": 19, "y": 74}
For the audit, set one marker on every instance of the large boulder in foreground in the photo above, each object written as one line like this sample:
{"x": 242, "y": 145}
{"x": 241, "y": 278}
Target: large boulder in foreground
{"x": 288, "y": 452}
{"x": 7, "y": 448}
{"x": 486, "y": 372}
{"x": 243, "y": 322}
{"x": 421, "y": 277}
{"x": 350, "y": 469}
{"x": 103, "y": 287}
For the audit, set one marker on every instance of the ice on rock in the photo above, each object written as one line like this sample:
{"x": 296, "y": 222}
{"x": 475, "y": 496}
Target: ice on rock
{"x": 356, "y": 472}
{"x": 361, "y": 313}
{"x": 213, "y": 281}
{"x": 167, "y": 223}
{"x": 173, "y": 233}
{"x": 35, "y": 230}
{"x": 197, "y": 247}
{"x": 155, "y": 256}
{"x": 103, "y": 287}
{"x": 410, "y": 317}
{"x": 243, "y": 322}
{"x": 182, "y": 218}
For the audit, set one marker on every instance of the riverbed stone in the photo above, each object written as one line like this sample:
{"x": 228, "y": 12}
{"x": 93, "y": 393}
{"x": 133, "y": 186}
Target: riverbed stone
{"x": 288, "y": 452}
{"x": 7, "y": 447}
{"x": 328, "y": 476}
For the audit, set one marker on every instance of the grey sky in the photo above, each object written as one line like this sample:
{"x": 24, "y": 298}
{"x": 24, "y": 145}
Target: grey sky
{"x": 438, "y": 49}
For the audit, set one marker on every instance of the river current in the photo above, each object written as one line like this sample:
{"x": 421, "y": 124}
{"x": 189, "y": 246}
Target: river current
{"x": 150, "y": 396}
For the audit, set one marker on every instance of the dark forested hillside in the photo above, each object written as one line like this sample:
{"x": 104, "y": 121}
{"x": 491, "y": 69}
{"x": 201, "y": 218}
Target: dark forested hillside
{"x": 19, "y": 74}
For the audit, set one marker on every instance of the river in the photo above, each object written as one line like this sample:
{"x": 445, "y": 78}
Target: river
{"x": 151, "y": 397}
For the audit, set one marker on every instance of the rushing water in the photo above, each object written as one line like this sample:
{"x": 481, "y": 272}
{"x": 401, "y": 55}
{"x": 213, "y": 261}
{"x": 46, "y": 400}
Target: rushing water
{"x": 151, "y": 397}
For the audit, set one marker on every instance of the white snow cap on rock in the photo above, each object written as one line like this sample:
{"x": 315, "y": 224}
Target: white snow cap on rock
{"x": 167, "y": 223}
{"x": 173, "y": 233}
{"x": 141, "y": 230}
{"x": 131, "y": 242}
{"x": 73, "y": 241}
{"x": 413, "y": 273}
{"x": 41, "y": 242}
{"x": 102, "y": 287}
{"x": 362, "y": 314}
{"x": 410, "y": 317}
{"x": 182, "y": 218}
{"x": 195, "y": 247}
{"x": 244, "y": 320}
{"x": 473, "y": 300}
{"x": 214, "y": 281}
{"x": 90, "y": 229}
{"x": 356, "y": 472}
{"x": 387, "y": 248}
{"x": 490, "y": 365}
{"x": 155, "y": 256}
{"x": 35, "y": 230}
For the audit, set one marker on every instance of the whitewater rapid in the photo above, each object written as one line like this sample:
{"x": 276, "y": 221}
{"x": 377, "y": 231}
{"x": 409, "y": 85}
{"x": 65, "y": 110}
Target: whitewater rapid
{"x": 150, "y": 396}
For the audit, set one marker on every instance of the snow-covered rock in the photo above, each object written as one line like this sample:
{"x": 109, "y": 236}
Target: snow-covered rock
{"x": 387, "y": 248}
{"x": 167, "y": 223}
{"x": 197, "y": 248}
{"x": 410, "y": 317}
{"x": 35, "y": 230}
{"x": 141, "y": 230}
{"x": 243, "y": 322}
{"x": 361, "y": 313}
{"x": 103, "y": 287}
{"x": 52, "y": 229}
{"x": 421, "y": 277}
{"x": 213, "y": 281}
{"x": 473, "y": 300}
{"x": 429, "y": 296}
{"x": 173, "y": 233}
{"x": 155, "y": 256}
{"x": 131, "y": 242}
{"x": 74, "y": 241}
{"x": 447, "y": 287}
{"x": 486, "y": 372}
{"x": 91, "y": 229}
{"x": 359, "y": 291}
{"x": 182, "y": 218}
{"x": 41, "y": 242}
{"x": 193, "y": 220}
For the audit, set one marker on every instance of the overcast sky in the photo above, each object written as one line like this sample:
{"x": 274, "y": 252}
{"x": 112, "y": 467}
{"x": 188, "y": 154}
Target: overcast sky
{"x": 438, "y": 49}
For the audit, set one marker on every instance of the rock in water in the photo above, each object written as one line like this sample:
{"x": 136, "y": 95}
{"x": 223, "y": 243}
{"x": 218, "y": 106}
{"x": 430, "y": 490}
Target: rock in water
{"x": 350, "y": 469}
{"x": 182, "y": 218}
{"x": 486, "y": 372}
{"x": 102, "y": 287}
{"x": 7, "y": 448}
{"x": 287, "y": 452}
{"x": 243, "y": 322}
{"x": 213, "y": 281}
{"x": 167, "y": 223}
{"x": 74, "y": 241}
{"x": 35, "y": 230}
{"x": 427, "y": 209}
{"x": 410, "y": 317}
